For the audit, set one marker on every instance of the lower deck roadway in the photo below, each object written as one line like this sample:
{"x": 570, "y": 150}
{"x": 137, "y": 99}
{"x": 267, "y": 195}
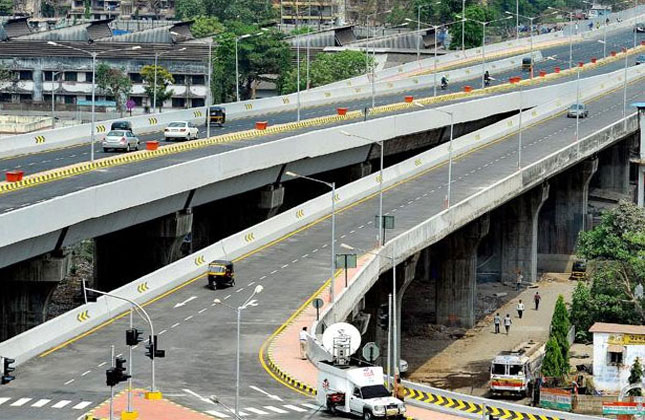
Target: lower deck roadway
{"x": 199, "y": 338}
{"x": 582, "y": 51}
{"x": 32, "y": 195}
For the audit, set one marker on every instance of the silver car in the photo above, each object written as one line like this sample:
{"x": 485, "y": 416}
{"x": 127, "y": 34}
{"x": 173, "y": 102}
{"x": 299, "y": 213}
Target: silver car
{"x": 120, "y": 140}
{"x": 578, "y": 111}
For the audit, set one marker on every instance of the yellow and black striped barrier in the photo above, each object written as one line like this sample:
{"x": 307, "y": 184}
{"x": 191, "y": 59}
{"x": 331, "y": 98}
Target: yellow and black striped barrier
{"x": 83, "y": 316}
{"x": 39, "y": 139}
{"x": 101, "y": 128}
{"x": 143, "y": 287}
{"x": 200, "y": 260}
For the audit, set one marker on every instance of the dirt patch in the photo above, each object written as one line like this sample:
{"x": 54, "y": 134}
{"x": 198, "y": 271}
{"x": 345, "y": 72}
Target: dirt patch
{"x": 69, "y": 293}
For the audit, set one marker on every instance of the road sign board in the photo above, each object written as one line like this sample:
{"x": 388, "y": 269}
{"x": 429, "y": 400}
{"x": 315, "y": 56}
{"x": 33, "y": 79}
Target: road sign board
{"x": 345, "y": 261}
{"x": 371, "y": 352}
{"x": 96, "y": 103}
{"x": 388, "y": 222}
{"x": 318, "y": 303}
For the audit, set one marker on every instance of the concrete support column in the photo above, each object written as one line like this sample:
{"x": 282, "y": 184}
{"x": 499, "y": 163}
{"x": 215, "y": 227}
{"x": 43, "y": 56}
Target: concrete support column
{"x": 563, "y": 216}
{"x": 37, "y": 77}
{"x": 271, "y": 198}
{"x": 641, "y": 167}
{"x": 457, "y": 277}
{"x": 360, "y": 170}
{"x": 408, "y": 270}
{"x": 27, "y": 288}
{"x": 611, "y": 181}
{"x": 519, "y": 233}
{"x": 126, "y": 255}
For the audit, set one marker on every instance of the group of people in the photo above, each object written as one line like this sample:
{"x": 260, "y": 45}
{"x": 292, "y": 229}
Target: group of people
{"x": 498, "y": 321}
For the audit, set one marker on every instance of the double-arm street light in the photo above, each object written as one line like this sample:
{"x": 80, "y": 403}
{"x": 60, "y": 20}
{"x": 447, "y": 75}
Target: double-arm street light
{"x": 419, "y": 38}
{"x": 332, "y": 186}
{"x": 484, "y": 24}
{"x": 154, "y": 91}
{"x": 379, "y": 235}
{"x": 248, "y": 302}
{"x": 92, "y": 54}
{"x": 452, "y": 124}
{"x": 237, "y": 60}
{"x": 570, "y": 32}
{"x": 531, "y": 19}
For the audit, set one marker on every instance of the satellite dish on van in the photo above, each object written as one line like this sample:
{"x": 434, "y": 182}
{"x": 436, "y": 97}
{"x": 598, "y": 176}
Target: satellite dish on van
{"x": 341, "y": 332}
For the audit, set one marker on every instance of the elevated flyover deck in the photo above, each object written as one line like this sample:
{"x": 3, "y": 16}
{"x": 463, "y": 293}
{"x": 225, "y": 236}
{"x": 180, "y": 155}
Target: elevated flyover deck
{"x": 197, "y": 336}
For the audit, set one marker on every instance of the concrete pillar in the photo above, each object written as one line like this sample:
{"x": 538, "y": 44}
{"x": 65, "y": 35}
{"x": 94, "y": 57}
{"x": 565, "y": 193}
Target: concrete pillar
{"x": 271, "y": 198}
{"x": 457, "y": 277}
{"x": 519, "y": 234}
{"x": 563, "y": 216}
{"x": 37, "y": 76}
{"x": 408, "y": 270}
{"x": 611, "y": 181}
{"x": 360, "y": 170}
{"x": 126, "y": 255}
{"x": 27, "y": 288}
{"x": 641, "y": 167}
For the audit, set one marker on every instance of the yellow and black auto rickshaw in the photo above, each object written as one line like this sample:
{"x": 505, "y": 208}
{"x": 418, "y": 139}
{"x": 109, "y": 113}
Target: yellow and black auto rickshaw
{"x": 217, "y": 115}
{"x": 579, "y": 270}
{"x": 527, "y": 64}
{"x": 220, "y": 273}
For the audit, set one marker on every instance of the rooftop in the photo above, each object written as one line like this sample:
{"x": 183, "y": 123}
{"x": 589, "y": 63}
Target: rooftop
{"x": 602, "y": 327}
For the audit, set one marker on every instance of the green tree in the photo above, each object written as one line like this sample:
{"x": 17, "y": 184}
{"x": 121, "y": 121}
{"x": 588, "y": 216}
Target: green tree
{"x": 164, "y": 80}
{"x": 636, "y": 376}
{"x": 582, "y": 311}
{"x": 87, "y": 13}
{"x": 205, "y": 26}
{"x": 6, "y": 7}
{"x": 114, "y": 82}
{"x": 6, "y": 75}
{"x": 242, "y": 11}
{"x": 327, "y": 68}
{"x": 189, "y": 9}
{"x": 553, "y": 363}
{"x": 560, "y": 325}
{"x": 473, "y": 30}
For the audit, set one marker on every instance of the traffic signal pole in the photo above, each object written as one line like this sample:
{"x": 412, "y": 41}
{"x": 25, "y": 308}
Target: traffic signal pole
{"x": 112, "y": 386}
{"x": 130, "y": 370}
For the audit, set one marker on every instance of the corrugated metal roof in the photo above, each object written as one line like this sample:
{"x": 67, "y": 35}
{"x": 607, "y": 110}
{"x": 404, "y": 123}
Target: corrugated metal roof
{"x": 603, "y": 327}
{"x": 84, "y": 32}
{"x": 401, "y": 41}
{"x": 157, "y": 35}
{"x": 16, "y": 27}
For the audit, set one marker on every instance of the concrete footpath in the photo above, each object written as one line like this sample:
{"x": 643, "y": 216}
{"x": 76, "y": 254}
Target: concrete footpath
{"x": 286, "y": 361}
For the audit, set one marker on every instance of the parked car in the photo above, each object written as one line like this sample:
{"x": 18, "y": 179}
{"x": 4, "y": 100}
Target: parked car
{"x": 120, "y": 140}
{"x": 640, "y": 59}
{"x": 578, "y": 111}
{"x": 121, "y": 125}
{"x": 181, "y": 130}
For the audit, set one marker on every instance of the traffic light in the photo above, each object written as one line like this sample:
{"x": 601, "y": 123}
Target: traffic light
{"x": 117, "y": 373}
{"x": 133, "y": 337}
{"x": 152, "y": 349}
{"x": 6, "y": 370}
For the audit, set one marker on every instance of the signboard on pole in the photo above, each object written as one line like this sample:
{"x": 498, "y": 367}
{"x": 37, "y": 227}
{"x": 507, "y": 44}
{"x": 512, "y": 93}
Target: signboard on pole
{"x": 96, "y": 103}
{"x": 622, "y": 408}
{"x": 556, "y": 399}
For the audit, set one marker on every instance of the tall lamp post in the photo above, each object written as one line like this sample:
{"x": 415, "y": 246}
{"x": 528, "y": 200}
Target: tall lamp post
{"x": 570, "y": 33}
{"x": 237, "y": 61}
{"x": 531, "y": 19}
{"x": 332, "y": 186}
{"x": 484, "y": 24}
{"x": 419, "y": 7}
{"x": 380, "y": 236}
{"x": 452, "y": 124}
{"x": 92, "y": 54}
{"x": 372, "y": 70}
{"x": 54, "y": 74}
{"x": 463, "y": 25}
{"x": 248, "y": 302}
{"x": 154, "y": 88}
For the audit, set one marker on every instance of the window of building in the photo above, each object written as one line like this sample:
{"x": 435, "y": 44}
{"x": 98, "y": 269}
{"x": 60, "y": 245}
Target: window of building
{"x": 615, "y": 355}
{"x": 48, "y": 76}
{"x": 180, "y": 79}
{"x": 5, "y": 97}
{"x": 25, "y": 97}
{"x": 88, "y": 97}
{"x": 109, "y": 98}
{"x": 69, "y": 99}
{"x": 198, "y": 102}
{"x": 71, "y": 76}
{"x": 136, "y": 77}
{"x": 138, "y": 100}
{"x": 26, "y": 75}
{"x": 198, "y": 79}
{"x": 88, "y": 77}
{"x": 178, "y": 102}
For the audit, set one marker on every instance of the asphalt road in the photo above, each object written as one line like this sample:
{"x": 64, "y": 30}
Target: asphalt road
{"x": 199, "y": 336}
{"x": 583, "y": 51}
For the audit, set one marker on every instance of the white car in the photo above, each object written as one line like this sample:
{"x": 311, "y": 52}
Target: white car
{"x": 181, "y": 130}
{"x": 120, "y": 140}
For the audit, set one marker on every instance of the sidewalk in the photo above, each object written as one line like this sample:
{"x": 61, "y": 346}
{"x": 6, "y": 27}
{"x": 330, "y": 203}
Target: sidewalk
{"x": 284, "y": 350}
{"x": 468, "y": 373}
{"x": 147, "y": 409}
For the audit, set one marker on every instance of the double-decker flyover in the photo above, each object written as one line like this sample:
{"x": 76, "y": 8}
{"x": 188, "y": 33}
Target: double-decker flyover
{"x": 197, "y": 336}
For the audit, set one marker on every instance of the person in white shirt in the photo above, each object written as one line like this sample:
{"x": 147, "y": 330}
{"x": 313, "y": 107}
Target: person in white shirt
{"x": 520, "y": 309}
{"x": 507, "y": 323}
{"x": 303, "y": 343}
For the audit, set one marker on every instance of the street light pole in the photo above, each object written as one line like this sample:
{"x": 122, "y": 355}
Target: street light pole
{"x": 209, "y": 95}
{"x": 298, "y": 76}
{"x": 625, "y": 91}
{"x": 237, "y": 71}
{"x": 517, "y": 20}
{"x": 463, "y": 25}
{"x": 154, "y": 88}
{"x": 519, "y": 134}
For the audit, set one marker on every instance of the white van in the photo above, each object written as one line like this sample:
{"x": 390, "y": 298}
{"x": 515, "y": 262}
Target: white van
{"x": 358, "y": 391}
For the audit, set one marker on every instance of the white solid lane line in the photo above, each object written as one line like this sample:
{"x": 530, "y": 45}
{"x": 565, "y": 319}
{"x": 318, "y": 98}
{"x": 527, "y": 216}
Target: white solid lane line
{"x": 217, "y": 414}
{"x": 69, "y": 382}
{"x": 4, "y": 400}
{"x": 61, "y": 404}
{"x": 86, "y": 372}
{"x": 294, "y": 408}
{"x": 82, "y": 405}
{"x": 275, "y": 409}
{"x": 40, "y": 403}
{"x": 255, "y": 410}
{"x": 20, "y": 402}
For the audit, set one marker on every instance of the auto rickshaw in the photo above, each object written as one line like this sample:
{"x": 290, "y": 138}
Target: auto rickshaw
{"x": 527, "y": 64}
{"x": 220, "y": 273}
{"x": 217, "y": 115}
{"x": 579, "y": 270}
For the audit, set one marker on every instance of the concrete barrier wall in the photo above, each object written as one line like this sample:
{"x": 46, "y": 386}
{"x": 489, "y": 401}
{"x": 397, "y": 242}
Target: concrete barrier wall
{"x": 104, "y": 199}
{"x": 49, "y": 139}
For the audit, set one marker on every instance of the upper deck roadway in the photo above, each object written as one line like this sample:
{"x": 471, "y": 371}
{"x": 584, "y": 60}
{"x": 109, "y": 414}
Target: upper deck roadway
{"x": 199, "y": 337}
{"x": 582, "y": 51}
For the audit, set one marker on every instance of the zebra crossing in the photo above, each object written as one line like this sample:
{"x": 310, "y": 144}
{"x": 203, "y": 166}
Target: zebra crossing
{"x": 8, "y": 402}
{"x": 265, "y": 410}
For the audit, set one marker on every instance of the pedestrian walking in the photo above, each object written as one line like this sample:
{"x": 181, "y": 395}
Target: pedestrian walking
{"x": 303, "y": 343}
{"x": 518, "y": 281}
{"x": 537, "y": 298}
{"x": 497, "y": 320}
{"x": 507, "y": 323}
{"x": 520, "y": 309}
